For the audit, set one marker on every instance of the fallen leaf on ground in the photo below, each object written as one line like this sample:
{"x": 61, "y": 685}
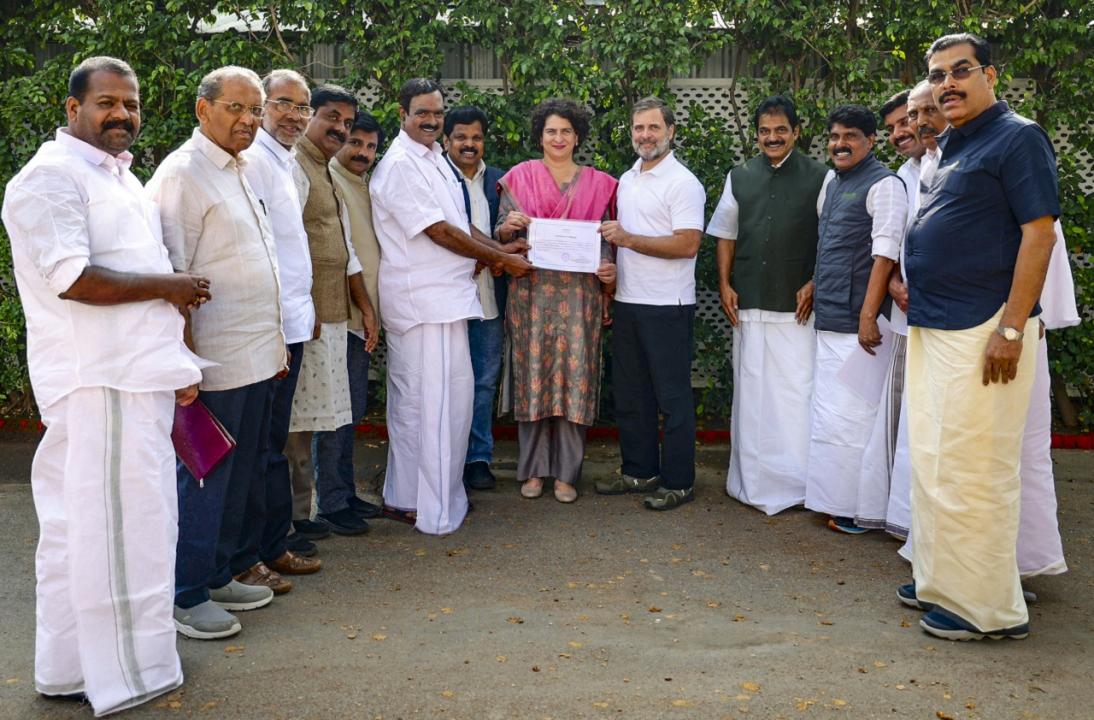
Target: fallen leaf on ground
{"x": 714, "y": 604}
{"x": 904, "y": 623}
{"x": 880, "y": 663}
{"x": 750, "y": 687}
{"x": 535, "y": 668}
{"x": 209, "y": 705}
{"x": 839, "y": 703}
{"x": 419, "y": 552}
{"x": 600, "y": 704}
{"x": 235, "y": 648}
{"x": 448, "y": 694}
{"x": 514, "y": 620}
{"x": 502, "y": 658}
{"x": 447, "y": 611}
{"x": 826, "y": 622}
{"x": 575, "y": 644}
{"x": 654, "y": 609}
{"x": 378, "y": 637}
{"x": 802, "y": 704}
{"x": 738, "y": 618}
{"x": 11, "y": 681}
{"x": 352, "y": 635}
{"x": 564, "y": 656}
{"x": 681, "y": 703}
{"x": 457, "y": 552}
{"x": 943, "y": 715}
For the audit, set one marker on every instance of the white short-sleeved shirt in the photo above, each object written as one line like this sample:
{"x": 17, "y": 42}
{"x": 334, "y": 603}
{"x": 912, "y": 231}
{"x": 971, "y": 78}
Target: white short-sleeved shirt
{"x": 887, "y": 205}
{"x": 72, "y": 206}
{"x": 420, "y": 281}
{"x": 271, "y": 170}
{"x": 656, "y": 203}
{"x": 213, "y": 225}
{"x": 723, "y": 223}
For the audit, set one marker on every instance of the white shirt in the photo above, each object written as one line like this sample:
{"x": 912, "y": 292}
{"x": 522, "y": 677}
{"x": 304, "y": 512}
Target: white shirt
{"x": 480, "y": 218}
{"x": 420, "y": 281}
{"x": 656, "y": 203}
{"x": 272, "y": 171}
{"x": 724, "y": 221}
{"x": 70, "y": 207}
{"x": 928, "y": 166}
{"x": 909, "y": 173}
{"x": 213, "y": 225}
{"x": 887, "y": 204}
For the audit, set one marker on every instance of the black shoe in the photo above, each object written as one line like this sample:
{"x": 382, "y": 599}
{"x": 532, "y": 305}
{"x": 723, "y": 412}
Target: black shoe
{"x": 68, "y": 697}
{"x": 310, "y": 529}
{"x": 344, "y": 522}
{"x": 477, "y": 476}
{"x": 300, "y": 545}
{"x": 363, "y": 508}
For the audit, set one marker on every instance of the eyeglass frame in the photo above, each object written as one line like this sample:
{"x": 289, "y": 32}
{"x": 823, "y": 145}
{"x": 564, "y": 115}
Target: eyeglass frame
{"x": 937, "y": 77}
{"x": 257, "y": 111}
{"x": 304, "y": 111}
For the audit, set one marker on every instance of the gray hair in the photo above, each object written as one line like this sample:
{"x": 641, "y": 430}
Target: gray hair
{"x": 280, "y": 75}
{"x": 654, "y": 103}
{"x": 212, "y": 85}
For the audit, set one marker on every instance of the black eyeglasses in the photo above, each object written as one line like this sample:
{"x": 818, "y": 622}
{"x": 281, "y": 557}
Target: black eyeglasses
{"x": 937, "y": 77}
{"x": 286, "y": 106}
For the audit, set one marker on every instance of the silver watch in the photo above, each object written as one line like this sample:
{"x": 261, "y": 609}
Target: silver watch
{"x": 1010, "y": 334}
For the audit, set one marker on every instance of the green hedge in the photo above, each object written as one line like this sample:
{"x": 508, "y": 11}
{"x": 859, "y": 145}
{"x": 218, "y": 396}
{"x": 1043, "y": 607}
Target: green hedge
{"x": 606, "y": 54}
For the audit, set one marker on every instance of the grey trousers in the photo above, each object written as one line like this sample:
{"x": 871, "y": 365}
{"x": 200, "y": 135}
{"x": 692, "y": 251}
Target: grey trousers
{"x": 551, "y": 447}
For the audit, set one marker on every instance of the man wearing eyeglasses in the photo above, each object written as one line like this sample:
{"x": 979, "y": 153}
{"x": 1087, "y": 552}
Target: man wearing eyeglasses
{"x": 322, "y": 406}
{"x": 214, "y": 225}
{"x": 271, "y": 171}
{"x": 977, "y": 255}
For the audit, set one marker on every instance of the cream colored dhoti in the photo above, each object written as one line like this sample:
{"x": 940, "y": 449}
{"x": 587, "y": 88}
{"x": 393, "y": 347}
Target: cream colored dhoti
{"x": 965, "y": 440}
{"x": 321, "y": 401}
{"x": 430, "y": 393}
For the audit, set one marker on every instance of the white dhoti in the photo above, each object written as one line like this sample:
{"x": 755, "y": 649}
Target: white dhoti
{"x": 104, "y": 489}
{"x": 898, "y": 513}
{"x": 321, "y": 401}
{"x": 772, "y": 391}
{"x": 430, "y": 392}
{"x": 965, "y": 440}
{"x": 1040, "y": 551}
{"x": 842, "y": 420}
{"x": 875, "y": 480}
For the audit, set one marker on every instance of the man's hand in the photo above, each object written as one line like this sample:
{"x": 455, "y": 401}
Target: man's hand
{"x": 899, "y": 292}
{"x": 869, "y": 336}
{"x": 804, "y": 298}
{"x": 515, "y": 265}
{"x": 372, "y": 328}
{"x": 186, "y": 290}
{"x": 606, "y": 273}
{"x": 515, "y": 222}
{"x": 729, "y": 302}
{"x": 316, "y": 329}
{"x": 284, "y": 372}
{"x": 613, "y": 232}
{"x": 1001, "y": 359}
{"x": 514, "y": 247}
{"x": 187, "y": 395}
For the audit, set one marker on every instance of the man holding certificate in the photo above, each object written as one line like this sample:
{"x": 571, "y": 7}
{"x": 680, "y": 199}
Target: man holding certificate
{"x": 661, "y": 214}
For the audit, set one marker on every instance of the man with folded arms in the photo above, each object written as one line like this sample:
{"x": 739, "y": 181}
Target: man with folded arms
{"x": 272, "y": 173}
{"x": 214, "y": 225}
{"x": 976, "y": 259}
{"x": 107, "y": 364}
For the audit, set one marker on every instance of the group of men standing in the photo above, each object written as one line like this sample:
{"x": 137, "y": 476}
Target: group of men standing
{"x": 253, "y": 271}
{"x": 885, "y": 335}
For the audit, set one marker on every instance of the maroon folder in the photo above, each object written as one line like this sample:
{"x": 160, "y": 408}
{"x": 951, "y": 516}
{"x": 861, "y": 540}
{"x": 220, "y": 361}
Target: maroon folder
{"x": 201, "y": 442}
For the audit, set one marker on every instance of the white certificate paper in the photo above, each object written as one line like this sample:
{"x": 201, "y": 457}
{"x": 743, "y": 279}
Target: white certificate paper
{"x": 570, "y": 245}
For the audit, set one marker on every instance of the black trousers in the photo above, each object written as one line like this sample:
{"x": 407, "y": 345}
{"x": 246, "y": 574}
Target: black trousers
{"x": 652, "y": 346}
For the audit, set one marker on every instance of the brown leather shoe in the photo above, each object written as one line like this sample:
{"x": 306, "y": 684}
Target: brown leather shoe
{"x": 292, "y": 564}
{"x": 259, "y": 574}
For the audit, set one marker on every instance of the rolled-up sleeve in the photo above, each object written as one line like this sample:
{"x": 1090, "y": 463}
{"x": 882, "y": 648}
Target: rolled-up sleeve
{"x": 47, "y": 215}
{"x": 887, "y": 204}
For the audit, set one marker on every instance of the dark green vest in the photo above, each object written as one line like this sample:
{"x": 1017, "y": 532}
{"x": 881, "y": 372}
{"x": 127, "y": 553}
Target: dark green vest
{"x": 776, "y": 230}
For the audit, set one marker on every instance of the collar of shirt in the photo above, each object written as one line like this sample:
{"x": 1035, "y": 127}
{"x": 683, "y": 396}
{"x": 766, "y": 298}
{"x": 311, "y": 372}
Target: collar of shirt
{"x": 782, "y": 162}
{"x": 282, "y": 154}
{"x": 307, "y": 147}
{"x": 660, "y": 168}
{"x": 982, "y": 119}
{"x": 218, "y": 155}
{"x": 340, "y": 169}
{"x": 477, "y": 177}
{"x": 433, "y": 152}
{"x": 100, "y": 158}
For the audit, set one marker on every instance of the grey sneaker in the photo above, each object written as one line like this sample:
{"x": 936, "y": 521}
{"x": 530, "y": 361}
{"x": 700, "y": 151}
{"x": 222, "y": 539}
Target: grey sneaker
{"x": 623, "y": 483}
{"x": 237, "y": 596}
{"x": 206, "y": 621}
{"x": 664, "y": 499}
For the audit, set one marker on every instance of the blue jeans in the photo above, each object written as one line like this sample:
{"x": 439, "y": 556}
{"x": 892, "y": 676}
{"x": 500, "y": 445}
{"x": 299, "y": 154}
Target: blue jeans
{"x": 485, "y": 339}
{"x": 333, "y": 451}
{"x": 211, "y": 518}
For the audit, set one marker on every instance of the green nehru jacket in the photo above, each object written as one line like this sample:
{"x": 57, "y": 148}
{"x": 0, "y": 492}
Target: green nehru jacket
{"x": 776, "y": 230}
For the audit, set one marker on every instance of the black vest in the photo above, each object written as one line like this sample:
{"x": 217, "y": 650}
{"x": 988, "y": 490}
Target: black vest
{"x": 776, "y": 246}
{"x": 844, "y": 257}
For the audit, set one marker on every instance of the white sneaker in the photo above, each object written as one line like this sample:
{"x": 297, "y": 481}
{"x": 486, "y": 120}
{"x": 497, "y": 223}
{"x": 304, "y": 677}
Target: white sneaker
{"x": 206, "y": 621}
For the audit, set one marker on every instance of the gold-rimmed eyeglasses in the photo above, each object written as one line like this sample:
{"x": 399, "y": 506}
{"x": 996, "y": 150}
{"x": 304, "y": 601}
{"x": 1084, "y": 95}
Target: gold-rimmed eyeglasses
{"x": 238, "y": 108}
{"x": 287, "y": 106}
{"x": 937, "y": 77}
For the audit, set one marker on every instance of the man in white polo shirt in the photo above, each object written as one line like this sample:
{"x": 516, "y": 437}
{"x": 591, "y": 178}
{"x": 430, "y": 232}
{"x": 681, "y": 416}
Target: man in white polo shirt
{"x": 427, "y": 293}
{"x": 661, "y": 214}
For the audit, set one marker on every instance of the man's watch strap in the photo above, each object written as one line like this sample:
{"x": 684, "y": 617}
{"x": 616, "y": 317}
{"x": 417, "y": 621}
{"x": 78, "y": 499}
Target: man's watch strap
{"x": 1008, "y": 333}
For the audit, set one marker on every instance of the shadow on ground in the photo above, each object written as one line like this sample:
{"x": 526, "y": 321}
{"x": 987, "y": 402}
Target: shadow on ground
{"x": 600, "y": 610}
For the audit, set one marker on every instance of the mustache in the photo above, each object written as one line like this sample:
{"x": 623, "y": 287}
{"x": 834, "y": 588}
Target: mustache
{"x": 360, "y": 159}
{"x": 774, "y": 143}
{"x": 341, "y": 136}
{"x": 841, "y": 148}
{"x": 950, "y": 93}
{"x": 429, "y": 128}
{"x": 127, "y": 125}
{"x": 927, "y": 130}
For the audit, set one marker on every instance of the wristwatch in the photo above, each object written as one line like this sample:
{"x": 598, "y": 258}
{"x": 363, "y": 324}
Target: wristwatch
{"x": 1010, "y": 334}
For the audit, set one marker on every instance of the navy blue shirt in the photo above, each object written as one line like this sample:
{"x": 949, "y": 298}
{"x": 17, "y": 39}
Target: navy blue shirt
{"x": 997, "y": 172}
